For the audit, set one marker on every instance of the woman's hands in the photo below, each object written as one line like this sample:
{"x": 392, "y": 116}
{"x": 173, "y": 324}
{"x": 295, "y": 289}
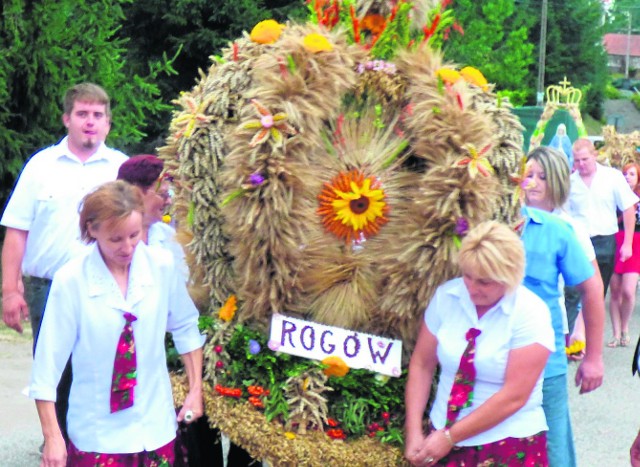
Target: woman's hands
{"x": 54, "y": 453}
{"x": 193, "y": 405}
{"x": 426, "y": 451}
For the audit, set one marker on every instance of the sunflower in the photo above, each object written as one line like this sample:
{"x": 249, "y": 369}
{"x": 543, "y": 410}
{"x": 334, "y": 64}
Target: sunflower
{"x": 353, "y": 205}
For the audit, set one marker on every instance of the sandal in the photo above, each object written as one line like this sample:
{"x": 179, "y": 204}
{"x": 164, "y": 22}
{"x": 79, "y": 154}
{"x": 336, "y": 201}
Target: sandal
{"x": 625, "y": 340}
{"x": 615, "y": 342}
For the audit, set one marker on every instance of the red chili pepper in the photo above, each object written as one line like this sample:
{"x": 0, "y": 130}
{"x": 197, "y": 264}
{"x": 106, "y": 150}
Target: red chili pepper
{"x": 256, "y": 402}
{"x": 336, "y": 433}
{"x": 235, "y": 52}
{"x": 255, "y": 390}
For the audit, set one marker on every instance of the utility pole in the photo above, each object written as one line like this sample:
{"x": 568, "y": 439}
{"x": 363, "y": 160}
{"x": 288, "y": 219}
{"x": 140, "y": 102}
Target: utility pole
{"x": 542, "y": 55}
{"x": 628, "y": 57}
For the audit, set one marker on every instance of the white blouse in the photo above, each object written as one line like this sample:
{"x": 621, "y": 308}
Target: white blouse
{"x": 517, "y": 320}
{"x": 84, "y": 318}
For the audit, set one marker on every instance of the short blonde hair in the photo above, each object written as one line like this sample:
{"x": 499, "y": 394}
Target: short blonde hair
{"x": 585, "y": 143}
{"x": 493, "y": 251}
{"x": 110, "y": 202}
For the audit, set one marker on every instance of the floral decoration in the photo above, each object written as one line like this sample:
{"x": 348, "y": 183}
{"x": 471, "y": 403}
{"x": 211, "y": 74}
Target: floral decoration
{"x": 315, "y": 43}
{"x": 474, "y": 76}
{"x": 448, "y": 75}
{"x": 374, "y": 23}
{"x": 193, "y": 118}
{"x": 520, "y": 180}
{"x": 268, "y": 125}
{"x": 266, "y": 32}
{"x": 377, "y": 65}
{"x": 352, "y": 205}
{"x": 335, "y": 366}
{"x": 576, "y": 347}
{"x": 228, "y": 310}
{"x": 476, "y": 162}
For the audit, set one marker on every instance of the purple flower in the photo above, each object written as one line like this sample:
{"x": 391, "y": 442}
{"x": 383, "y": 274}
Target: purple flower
{"x": 462, "y": 226}
{"x": 256, "y": 179}
{"x": 254, "y": 347}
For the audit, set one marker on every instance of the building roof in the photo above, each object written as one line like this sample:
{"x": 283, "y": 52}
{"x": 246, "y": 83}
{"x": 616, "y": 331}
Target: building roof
{"x": 616, "y": 44}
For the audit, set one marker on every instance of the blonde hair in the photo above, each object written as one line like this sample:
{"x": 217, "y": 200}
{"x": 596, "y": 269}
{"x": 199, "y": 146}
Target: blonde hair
{"x": 584, "y": 143}
{"x": 556, "y": 172}
{"x": 493, "y": 251}
{"x": 110, "y": 202}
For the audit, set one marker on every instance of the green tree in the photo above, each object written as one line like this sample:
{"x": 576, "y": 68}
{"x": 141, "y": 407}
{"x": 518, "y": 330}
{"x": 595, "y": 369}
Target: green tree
{"x": 575, "y": 31}
{"x": 193, "y": 31}
{"x": 47, "y": 46}
{"x": 495, "y": 41}
{"x": 622, "y": 14}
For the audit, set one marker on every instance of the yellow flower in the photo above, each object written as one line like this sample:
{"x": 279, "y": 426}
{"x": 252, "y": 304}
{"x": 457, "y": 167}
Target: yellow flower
{"x": 474, "y": 76}
{"x": 336, "y": 366}
{"x": 315, "y": 43}
{"x": 228, "y": 310}
{"x": 353, "y": 205}
{"x": 289, "y": 435}
{"x": 266, "y": 32}
{"x": 448, "y": 75}
{"x": 575, "y": 347}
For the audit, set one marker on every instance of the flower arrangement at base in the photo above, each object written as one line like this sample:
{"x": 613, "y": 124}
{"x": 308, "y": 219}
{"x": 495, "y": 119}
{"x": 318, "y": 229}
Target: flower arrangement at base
{"x": 329, "y": 178}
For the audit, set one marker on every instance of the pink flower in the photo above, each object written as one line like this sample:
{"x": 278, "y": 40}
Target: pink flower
{"x": 123, "y": 347}
{"x": 529, "y": 462}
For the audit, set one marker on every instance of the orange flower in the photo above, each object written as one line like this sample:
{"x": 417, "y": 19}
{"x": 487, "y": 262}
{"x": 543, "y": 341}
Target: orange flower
{"x": 374, "y": 23}
{"x": 336, "y": 366}
{"x": 353, "y": 205}
{"x": 315, "y": 43}
{"x": 474, "y": 76}
{"x": 266, "y": 32}
{"x": 228, "y": 310}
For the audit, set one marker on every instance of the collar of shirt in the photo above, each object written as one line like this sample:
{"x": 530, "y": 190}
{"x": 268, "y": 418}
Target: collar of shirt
{"x": 64, "y": 151}
{"x": 101, "y": 282}
{"x": 505, "y": 305}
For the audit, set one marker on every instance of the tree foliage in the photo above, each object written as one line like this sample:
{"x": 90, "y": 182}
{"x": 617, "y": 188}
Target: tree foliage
{"x": 47, "y": 46}
{"x": 575, "y": 31}
{"x": 496, "y": 41}
{"x": 193, "y": 31}
{"x": 622, "y": 15}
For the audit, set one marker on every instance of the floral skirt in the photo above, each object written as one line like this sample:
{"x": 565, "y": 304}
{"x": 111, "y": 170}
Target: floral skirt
{"x": 509, "y": 452}
{"x": 161, "y": 457}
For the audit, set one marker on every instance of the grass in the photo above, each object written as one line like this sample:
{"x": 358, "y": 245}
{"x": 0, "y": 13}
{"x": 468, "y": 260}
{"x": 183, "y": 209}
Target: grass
{"x": 9, "y": 335}
{"x": 593, "y": 126}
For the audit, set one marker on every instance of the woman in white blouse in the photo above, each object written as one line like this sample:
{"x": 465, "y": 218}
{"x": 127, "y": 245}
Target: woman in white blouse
{"x": 495, "y": 417}
{"x": 109, "y": 310}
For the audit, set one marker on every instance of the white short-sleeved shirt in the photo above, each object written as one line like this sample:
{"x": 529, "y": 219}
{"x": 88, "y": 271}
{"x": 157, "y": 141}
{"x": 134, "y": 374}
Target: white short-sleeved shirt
{"x": 595, "y": 206}
{"x": 164, "y": 236}
{"x": 585, "y": 242}
{"x": 46, "y": 199}
{"x": 84, "y": 318}
{"x": 519, "y": 319}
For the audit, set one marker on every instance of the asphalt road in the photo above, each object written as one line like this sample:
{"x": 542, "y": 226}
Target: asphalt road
{"x": 605, "y": 422}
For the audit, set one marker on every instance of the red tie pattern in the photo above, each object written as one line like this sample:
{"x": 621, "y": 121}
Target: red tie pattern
{"x": 461, "y": 395}
{"x": 124, "y": 368}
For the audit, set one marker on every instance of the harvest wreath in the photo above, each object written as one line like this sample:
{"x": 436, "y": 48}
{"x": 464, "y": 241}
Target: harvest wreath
{"x": 324, "y": 175}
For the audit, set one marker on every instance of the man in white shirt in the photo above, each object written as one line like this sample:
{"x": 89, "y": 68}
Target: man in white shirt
{"x": 41, "y": 217}
{"x": 596, "y": 192}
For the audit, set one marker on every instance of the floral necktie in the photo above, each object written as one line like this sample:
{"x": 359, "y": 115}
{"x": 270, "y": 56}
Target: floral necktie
{"x": 124, "y": 368}
{"x": 462, "y": 390}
